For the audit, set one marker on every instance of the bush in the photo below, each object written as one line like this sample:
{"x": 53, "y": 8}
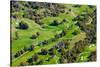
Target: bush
{"x": 23, "y": 25}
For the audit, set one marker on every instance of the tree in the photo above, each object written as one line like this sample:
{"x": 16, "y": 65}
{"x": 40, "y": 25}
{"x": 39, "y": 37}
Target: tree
{"x": 63, "y": 33}
{"x": 76, "y": 5}
{"x": 34, "y": 36}
{"x": 23, "y": 64}
{"x": 45, "y": 42}
{"x": 30, "y": 60}
{"x": 39, "y": 62}
{"x": 64, "y": 20}
{"x": 37, "y": 33}
{"x": 53, "y": 39}
{"x": 57, "y": 36}
{"x": 44, "y": 51}
{"x": 92, "y": 56}
{"x": 91, "y": 6}
{"x": 25, "y": 48}
{"x": 35, "y": 57}
{"x": 67, "y": 43}
{"x": 22, "y": 51}
{"x": 16, "y": 35}
{"x": 31, "y": 47}
{"x": 17, "y": 54}
{"x": 69, "y": 9}
{"x": 55, "y": 23}
{"x": 51, "y": 51}
{"x": 23, "y": 25}
{"x": 75, "y": 33}
{"x": 38, "y": 20}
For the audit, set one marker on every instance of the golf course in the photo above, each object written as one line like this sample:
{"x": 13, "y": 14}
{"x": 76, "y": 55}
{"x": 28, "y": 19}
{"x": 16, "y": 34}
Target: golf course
{"x": 52, "y": 33}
